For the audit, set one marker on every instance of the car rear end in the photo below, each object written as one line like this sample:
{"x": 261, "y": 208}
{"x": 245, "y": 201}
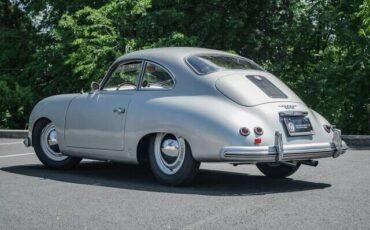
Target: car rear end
{"x": 275, "y": 124}
{"x": 289, "y": 130}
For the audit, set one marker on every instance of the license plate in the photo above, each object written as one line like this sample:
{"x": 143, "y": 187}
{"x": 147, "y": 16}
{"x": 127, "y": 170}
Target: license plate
{"x": 298, "y": 125}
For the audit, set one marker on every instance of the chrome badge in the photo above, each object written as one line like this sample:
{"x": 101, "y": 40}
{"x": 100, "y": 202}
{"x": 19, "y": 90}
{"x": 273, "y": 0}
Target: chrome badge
{"x": 288, "y": 106}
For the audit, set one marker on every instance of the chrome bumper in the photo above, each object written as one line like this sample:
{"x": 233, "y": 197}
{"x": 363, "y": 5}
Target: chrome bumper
{"x": 27, "y": 142}
{"x": 280, "y": 152}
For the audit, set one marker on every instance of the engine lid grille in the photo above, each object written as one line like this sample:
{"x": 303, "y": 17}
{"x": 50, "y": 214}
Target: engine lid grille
{"x": 266, "y": 86}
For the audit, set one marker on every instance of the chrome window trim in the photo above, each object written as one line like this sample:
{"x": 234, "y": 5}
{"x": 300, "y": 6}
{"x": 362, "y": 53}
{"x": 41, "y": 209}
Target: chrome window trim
{"x": 113, "y": 67}
{"x": 158, "y": 89}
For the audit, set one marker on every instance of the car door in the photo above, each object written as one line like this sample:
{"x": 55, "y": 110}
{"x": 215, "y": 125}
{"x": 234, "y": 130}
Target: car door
{"x": 97, "y": 120}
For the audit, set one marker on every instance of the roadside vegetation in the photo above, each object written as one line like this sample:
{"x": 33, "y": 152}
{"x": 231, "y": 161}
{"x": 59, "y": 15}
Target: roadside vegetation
{"x": 319, "y": 48}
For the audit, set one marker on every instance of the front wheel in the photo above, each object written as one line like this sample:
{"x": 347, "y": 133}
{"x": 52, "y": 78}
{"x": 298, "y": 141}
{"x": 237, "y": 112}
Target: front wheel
{"x": 277, "y": 170}
{"x": 47, "y": 149}
{"x": 171, "y": 159}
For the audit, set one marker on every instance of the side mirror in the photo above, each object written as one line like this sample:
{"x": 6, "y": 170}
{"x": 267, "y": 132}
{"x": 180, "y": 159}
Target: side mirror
{"x": 94, "y": 86}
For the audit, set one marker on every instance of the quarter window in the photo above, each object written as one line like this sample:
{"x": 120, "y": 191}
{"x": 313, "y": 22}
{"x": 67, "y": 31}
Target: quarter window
{"x": 124, "y": 77}
{"x": 155, "y": 77}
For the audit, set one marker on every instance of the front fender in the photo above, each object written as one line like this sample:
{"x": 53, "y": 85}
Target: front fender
{"x": 53, "y": 108}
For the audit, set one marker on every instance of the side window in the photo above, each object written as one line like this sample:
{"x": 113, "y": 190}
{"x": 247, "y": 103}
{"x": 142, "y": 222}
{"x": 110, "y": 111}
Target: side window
{"x": 124, "y": 77}
{"x": 155, "y": 77}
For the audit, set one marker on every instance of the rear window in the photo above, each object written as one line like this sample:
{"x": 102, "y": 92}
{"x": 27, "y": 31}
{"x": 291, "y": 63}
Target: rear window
{"x": 205, "y": 64}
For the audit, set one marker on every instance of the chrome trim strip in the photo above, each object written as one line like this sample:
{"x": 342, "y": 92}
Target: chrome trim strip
{"x": 293, "y": 113}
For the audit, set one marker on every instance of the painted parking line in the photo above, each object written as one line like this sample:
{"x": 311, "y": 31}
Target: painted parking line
{"x": 16, "y": 155}
{"x": 11, "y": 143}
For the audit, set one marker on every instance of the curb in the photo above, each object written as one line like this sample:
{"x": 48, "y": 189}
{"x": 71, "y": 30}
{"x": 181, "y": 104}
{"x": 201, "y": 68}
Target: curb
{"x": 13, "y": 133}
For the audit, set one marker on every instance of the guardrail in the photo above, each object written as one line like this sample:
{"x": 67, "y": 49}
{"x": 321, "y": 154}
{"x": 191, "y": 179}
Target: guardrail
{"x": 353, "y": 141}
{"x": 13, "y": 133}
{"x": 357, "y": 141}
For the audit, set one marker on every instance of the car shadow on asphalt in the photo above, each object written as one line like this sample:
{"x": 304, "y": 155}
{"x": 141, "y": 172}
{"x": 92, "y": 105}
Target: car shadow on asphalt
{"x": 133, "y": 177}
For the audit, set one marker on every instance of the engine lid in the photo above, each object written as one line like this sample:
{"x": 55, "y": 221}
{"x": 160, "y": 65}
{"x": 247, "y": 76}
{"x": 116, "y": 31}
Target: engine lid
{"x": 251, "y": 88}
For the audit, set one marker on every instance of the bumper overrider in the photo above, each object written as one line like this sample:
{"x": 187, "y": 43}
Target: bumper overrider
{"x": 279, "y": 152}
{"x": 27, "y": 142}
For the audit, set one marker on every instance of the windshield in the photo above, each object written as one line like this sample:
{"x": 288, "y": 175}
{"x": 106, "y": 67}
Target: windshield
{"x": 209, "y": 63}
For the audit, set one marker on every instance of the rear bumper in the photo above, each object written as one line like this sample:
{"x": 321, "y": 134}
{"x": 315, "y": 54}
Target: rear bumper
{"x": 280, "y": 152}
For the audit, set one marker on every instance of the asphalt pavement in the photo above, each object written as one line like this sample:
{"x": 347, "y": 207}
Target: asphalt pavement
{"x": 103, "y": 195}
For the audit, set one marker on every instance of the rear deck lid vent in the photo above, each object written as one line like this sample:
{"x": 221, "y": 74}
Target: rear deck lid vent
{"x": 266, "y": 86}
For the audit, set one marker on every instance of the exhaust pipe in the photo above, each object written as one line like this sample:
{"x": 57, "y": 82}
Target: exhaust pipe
{"x": 288, "y": 163}
{"x": 310, "y": 163}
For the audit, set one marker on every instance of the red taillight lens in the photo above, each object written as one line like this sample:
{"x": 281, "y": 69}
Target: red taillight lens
{"x": 258, "y": 130}
{"x": 257, "y": 140}
{"x": 244, "y": 131}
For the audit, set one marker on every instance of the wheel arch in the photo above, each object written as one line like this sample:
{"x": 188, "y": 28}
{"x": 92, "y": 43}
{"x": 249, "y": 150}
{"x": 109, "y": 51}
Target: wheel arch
{"x": 142, "y": 148}
{"x": 34, "y": 125}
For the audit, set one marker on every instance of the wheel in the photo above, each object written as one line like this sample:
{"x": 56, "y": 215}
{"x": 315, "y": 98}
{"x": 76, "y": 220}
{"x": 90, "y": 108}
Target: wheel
{"x": 45, "y": 144}
{"x": 171, "y": 159}
{"x": 277, "y": 170}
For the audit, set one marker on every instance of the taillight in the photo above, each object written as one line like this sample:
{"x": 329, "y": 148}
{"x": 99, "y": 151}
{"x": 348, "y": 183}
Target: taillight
{"x": 327, "y": 128}
{"x": 258, "y": 130}
{"x": 244, "y": 131}
{"x": 257, "y": 140}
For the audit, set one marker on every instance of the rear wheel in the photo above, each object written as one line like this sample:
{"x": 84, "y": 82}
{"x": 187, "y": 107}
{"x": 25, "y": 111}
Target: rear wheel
{"x": 171, "y": 159}
{"x": 277, "y": 170}
{"x": 46, "y": 146}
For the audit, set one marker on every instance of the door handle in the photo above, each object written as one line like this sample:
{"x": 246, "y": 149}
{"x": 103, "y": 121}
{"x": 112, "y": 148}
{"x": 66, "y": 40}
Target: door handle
{"x": 119, "y": 110}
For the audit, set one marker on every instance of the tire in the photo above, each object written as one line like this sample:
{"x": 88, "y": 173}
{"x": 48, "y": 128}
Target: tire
{"x": 45, "y": 144}
{"x": 276, "y": 170}
{"x": 171, "y": 159}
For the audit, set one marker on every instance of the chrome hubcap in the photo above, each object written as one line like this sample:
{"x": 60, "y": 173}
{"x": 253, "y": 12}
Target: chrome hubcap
{"x": 49, "y": 143}
{"x": 169, "y": 152}
{"x": 52, "y": 138}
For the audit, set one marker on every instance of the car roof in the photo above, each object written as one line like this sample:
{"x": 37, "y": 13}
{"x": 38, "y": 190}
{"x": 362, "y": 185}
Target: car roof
{"x": 169, "y": 54}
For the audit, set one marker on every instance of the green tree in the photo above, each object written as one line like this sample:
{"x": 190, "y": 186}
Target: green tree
{"x": 16, "y": 36}
{"x": 319, "y": 48}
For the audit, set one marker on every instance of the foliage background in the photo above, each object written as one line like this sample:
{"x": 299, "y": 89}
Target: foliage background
{"x": 320, "y": 48}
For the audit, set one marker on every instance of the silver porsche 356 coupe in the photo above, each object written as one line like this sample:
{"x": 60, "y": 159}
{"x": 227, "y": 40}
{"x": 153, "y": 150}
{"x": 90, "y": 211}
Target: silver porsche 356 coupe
{"x": 173, "y": 108}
